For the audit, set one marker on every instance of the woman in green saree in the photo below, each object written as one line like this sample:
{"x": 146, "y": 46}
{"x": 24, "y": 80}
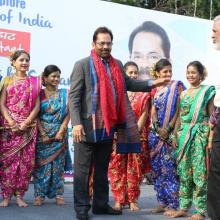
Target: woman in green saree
{"x": 191, "y": 140}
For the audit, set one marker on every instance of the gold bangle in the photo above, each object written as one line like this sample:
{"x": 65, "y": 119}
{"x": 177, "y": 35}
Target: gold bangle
{"x": 28, "y": 121}
{"x": 62, "y": 131}
{"x": 13, "y": 122}
{"x": 63, "y": 128}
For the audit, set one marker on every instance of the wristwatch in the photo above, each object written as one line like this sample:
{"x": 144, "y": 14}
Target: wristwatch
{"x": 150, "y": 82}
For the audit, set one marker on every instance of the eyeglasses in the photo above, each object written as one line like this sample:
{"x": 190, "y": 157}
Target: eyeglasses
{"x": 102, "y": 44}
{"x": 151, "y": 57}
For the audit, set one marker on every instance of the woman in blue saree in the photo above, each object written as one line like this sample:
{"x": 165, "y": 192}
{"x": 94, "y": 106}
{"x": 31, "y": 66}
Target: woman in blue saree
{"x": 164, "y": 114}
{"x": 52, "y": 143}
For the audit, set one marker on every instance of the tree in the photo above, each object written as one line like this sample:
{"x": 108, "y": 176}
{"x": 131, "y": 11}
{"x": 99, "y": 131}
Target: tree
{"x": 198, "y": 8}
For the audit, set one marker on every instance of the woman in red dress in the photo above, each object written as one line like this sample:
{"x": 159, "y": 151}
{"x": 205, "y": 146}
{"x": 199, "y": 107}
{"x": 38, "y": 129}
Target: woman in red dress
{"x": 126, "y": 171}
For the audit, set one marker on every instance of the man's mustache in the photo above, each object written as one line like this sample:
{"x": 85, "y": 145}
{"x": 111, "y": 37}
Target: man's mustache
{"x": 144, "y": 70}
{"x": 144, "y": 73}
{"x": 106, "y": 50}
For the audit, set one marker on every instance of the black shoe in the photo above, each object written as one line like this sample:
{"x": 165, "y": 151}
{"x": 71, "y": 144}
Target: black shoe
{"x": 82, "y": 217}
{"x": 108, "y": 210}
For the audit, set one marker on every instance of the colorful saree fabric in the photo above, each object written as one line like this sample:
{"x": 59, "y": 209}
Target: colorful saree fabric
{"x": 215, "y": 116}
{"x": 50, "y": 158}
{"x": 163, "y": 165}
{"x": 1, "y": 84}
{"x": 17, "y": 150}
{"x": 126, "y": 171}
{"x": 191, "y": 152}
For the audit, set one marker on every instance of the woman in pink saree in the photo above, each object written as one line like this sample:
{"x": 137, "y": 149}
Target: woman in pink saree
{"x": 19, "y": 100}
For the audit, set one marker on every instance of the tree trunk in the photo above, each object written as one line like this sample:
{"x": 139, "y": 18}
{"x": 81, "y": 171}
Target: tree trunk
{"x": 210, "y": 14}
{"x": 176, "y": 6}
{"x": 195, "y": 8}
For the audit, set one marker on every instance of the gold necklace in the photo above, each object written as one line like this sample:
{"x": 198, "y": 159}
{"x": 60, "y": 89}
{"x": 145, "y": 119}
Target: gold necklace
{"x": 192, "y": 91}
{"x": 131, "y": 96}
{"x": 49, "y": 93}
{"x": 161, "y": 89}
{"x": 16, "y": 78}
{"x": 195, "y": 87}
{"x": 19, "y": 77}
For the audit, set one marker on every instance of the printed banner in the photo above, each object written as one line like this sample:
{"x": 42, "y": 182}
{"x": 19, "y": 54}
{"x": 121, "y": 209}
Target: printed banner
{"x": 11, "y": 40}
{"x": 60, "y": 32}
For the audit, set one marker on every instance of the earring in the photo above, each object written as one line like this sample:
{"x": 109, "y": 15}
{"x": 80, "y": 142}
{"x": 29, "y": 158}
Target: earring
{"x": 13, "y": 70}
{"x": 43, "y": 81}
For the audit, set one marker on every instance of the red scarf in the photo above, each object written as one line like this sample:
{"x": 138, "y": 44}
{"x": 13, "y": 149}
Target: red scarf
{"x": 112, "y": 113}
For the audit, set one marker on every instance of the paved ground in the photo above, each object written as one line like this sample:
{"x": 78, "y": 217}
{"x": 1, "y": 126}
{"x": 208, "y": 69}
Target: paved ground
{"x": 147, "y": 201}
{"x": 49, "y": 211}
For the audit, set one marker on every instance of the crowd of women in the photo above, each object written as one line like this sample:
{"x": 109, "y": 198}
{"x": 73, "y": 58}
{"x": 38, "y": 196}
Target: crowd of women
{"x": 175, "y": 134}
{"x": 33, "y": 133}
{"x": 174, "y": 128}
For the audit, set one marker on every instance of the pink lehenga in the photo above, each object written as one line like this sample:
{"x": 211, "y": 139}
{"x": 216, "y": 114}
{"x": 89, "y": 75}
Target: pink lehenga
{"x": 17, "y": 150}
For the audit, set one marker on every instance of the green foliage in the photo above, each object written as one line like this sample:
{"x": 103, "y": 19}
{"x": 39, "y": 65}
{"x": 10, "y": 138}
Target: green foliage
{"x": 206, "y": 9}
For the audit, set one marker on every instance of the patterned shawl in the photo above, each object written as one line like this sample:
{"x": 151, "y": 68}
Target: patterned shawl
{"x": 108, "y": 114}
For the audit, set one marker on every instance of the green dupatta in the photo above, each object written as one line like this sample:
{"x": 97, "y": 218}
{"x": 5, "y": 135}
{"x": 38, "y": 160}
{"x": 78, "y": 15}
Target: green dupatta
{"x": 193, "y": 120}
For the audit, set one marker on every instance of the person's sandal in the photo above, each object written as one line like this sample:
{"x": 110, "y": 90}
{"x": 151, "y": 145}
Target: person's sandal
{"x": 20, "y": 202}
{"x": 118, "y": 206}
{"x": 38, "y": 201}
{"x": 60, "y": 200}
{"x": 134, "y": 206}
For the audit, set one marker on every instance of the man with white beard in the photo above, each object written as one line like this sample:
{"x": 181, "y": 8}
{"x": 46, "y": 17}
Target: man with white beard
{"x": 214, "y": 172}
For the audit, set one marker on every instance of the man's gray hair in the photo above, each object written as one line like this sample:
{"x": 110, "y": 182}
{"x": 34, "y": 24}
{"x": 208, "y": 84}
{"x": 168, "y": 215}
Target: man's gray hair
{"x": 217, "y": 18}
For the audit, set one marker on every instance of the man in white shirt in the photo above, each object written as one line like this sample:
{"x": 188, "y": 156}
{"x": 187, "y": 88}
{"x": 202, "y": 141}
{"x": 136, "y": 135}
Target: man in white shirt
{"x": 214, "y": 173}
